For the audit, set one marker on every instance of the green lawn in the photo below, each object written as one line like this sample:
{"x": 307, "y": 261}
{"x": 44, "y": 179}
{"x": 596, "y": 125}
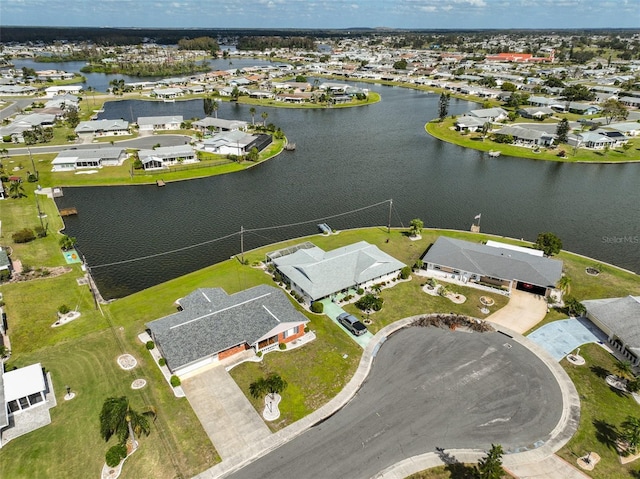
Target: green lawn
{"x": 602, "y": 411}
{"x": 452, "y": 471}
{"x": 82, "y": 353}
{"x": 444, "y": 131}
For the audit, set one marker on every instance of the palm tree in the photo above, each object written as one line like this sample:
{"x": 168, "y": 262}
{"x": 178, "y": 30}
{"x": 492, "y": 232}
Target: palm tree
{"x": 631, "y": 433}
{"x": 275, "y": 385}
{"x": 264, "y": 116}
{"x": 565, "y": 284}
{"x": 623, "y": 368}
{"x": 117, "y": 418}
{"x": 415, "y": 226}
{"x": 16, "y": 190}
{"x": 252, "y": 110}
{"x": 258, "y": 388}
{"x": 214, "y": 106}
{"x": 67, "y": 242}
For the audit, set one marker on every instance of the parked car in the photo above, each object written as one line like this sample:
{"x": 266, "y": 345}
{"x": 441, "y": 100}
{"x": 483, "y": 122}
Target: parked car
{"x": 352, "y": 324}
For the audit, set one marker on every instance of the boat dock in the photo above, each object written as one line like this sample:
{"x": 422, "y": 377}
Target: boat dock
{"x": 324, "y": 228}
{"x": 68, "y": 211}
{"x": 160, "y": 183}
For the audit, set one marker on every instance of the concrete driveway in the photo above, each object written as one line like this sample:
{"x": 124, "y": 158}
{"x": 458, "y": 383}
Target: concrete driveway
{"x": 225, "y": 413}
{"x": 522, "y": 312}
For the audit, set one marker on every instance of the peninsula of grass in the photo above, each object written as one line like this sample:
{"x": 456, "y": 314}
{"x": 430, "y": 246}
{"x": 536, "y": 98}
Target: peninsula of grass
{"x": 445, "y": 131}
{"x": 83, "y": 353}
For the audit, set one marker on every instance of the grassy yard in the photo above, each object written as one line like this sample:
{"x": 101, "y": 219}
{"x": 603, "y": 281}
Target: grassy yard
{"x": 82, "y": 353}
{"x": 603, "y": 409}
{"x": 452, "y": 471}
{"x": 71, "y": 445}
{"x": 444, "y": 131}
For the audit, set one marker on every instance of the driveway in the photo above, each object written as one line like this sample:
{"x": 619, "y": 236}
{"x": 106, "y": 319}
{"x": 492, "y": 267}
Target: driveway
{"x": 522, "y": 312}
{"x": 225, "y": 413}
{"x": 559, "y": 338}
{"x": 332, "y": 310}
{"x": 429, "y": 388}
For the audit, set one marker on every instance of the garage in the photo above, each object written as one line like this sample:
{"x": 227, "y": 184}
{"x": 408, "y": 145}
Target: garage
{"x": 531, "y": 288}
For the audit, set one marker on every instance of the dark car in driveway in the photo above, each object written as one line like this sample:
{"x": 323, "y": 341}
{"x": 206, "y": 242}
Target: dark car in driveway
{"x": 352, "y": 324}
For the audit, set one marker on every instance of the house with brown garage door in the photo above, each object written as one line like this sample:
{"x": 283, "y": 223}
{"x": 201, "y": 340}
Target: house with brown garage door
{"x": 212, "y": 325}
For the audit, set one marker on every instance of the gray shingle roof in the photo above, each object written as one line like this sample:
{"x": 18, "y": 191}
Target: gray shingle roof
{"x": 321, "y": 273}
{"x": 621, "y": 316}
{"x": 212, "y": 321}
{"x": 499, "y": 263}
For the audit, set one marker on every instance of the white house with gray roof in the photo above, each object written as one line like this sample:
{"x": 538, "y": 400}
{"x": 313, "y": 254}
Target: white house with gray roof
{"x": 316, "y": 274}
{"x": 619, "y": 319}
{"x": 68, "y": 160}
{"x": 166, "y": 156}
{"x": 229, "y": 143}
{"x": 151, "y": 123}
{"x": 494, "y": 265}
{"x": 208, "y": 124}
{"x": 91, "y": 128}
{"x": 213, "y": 325}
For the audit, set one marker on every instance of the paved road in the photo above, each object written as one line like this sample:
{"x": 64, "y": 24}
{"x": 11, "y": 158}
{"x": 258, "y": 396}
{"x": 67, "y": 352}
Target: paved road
{"x": 143, "y": 142}
{"x": 428, "y": 388}
{"x": 14, "y": 106}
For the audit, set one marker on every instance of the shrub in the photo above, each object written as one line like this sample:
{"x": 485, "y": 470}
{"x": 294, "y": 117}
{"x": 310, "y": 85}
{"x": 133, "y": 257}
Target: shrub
{"x": 150, "y": 345}
{"x": 162, "y": 362}
{"x": 405, "y": 272}
{"x": 31, "y": 178}
{"x": 4, "y": 275}
{"x": 282, "y": 346}
{"x": 317, "y": 307}
{"x": 115, "y": 454}
{"x": 259, "y": 354}
{"x": 360, "y": 291}
{"x": 23, "y": 236}
{"x": 63, "y": 309}
{"x": 40, "y": 232}
{"x": 175, "y": 381}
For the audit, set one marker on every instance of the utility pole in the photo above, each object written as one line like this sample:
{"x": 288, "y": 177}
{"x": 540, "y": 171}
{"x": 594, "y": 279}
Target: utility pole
{"x": 242, "y": 244}
{"x": 33, "y": 165}
{"x": 389, "y": 220}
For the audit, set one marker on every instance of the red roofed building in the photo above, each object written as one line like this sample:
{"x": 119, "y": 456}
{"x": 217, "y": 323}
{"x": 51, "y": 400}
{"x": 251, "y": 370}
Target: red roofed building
{"x": 519, "y": 58}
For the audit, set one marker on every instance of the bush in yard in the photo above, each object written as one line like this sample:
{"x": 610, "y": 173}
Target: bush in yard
{"x": 405, "y": 272}
{"x": 360, "y": 291}
{"x": 23, "y": 236}
{"x": 282, "y": 346}
{"x": 175, "y": 381}
{"x": 115, "y": 454}
{"x": 150, "y": 345}
{"x": 64, "y": 309}
{"x": 162, "y": 362}
{"x": 317, "y": 307}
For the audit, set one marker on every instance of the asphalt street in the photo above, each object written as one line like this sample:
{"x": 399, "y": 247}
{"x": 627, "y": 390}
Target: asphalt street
{"x": 429, "y": 388}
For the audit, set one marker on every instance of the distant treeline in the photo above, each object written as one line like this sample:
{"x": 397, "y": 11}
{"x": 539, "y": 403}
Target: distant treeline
{"x": 141, "y": 69}
{"x": 207, "y": 44}
{"x": 263, "y": 43}
{"x": 84, "y": 55}
{"x": 162, "y": 36}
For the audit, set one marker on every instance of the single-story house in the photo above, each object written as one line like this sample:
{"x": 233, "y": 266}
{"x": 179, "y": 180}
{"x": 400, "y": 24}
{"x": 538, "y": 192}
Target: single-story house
{"x": 102, "y": 128}
{"x": 22, "y": 390}
{"x": 300, "y": 97}
{"x": 489, "y": 114}
{"x": 150, "y": 123}
{"x": 52, "y": 91}
{"x": 527, "y": 136}
{"x": 493, "y": 264}
{"x": 166, "y": 156}
{"x": 167, "y": 93}
{"x": 469, "y": 123}
{"x": 317, "y": 274}
{"x": 628, "y": 128}
{"x": 209, "y": 124}
{"x": 213, "y": 325}
{"x": 230, "y": 143}
{"x": 31, "y": 120}
{"x": 17, "y": 90}
{"x": 68, "y": 160}
{"x": 592, "y": 139}
{"x": 536, "y": 112}
{"x": 632, "y": 101}
{"x": 619, "y": 319}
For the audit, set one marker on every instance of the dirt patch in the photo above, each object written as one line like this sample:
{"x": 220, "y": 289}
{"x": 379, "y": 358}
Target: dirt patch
{"x": 39, "y": 273}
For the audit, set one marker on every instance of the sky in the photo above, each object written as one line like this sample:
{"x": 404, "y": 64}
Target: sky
{"x": 326, "y": 14}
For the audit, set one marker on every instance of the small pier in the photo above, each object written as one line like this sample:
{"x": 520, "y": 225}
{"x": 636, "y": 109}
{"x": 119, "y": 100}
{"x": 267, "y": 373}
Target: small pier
{"x": 494, "y": 154}
{"x": 68, "y": 211}
{"x": 290, "y": 147}
{"x": 324, "y": 228}
{"x": 160, "y": 183}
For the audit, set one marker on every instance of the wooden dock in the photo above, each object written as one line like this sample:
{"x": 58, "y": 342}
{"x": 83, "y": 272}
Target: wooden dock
{"x": 160, "y": 183}
{"x": 68, "y": 211}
